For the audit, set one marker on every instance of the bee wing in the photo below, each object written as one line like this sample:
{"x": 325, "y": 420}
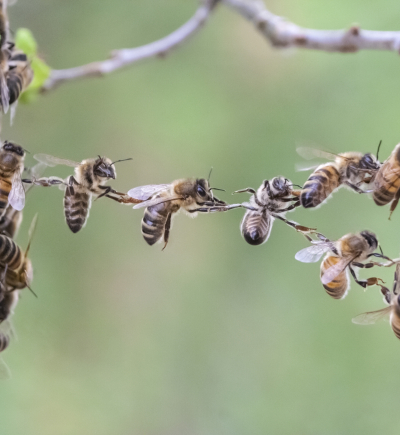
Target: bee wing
{"x": 335, "y": 270}
{"x": 17, "y": 194}
{"x": 307, "y": 166}
{"x": 4, "y": 93}
{"x": 54, "y": 161}
{"x": 156, "y": 201}
{"x": 372, "y": 316}
{"x": 309, "y": 153}
{"x": 144, "y": 193}
{"x": 313, "y": 253}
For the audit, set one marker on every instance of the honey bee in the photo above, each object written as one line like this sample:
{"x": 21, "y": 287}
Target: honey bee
{"x": 11, "y": 166}
{"x": 347, "y": 169}
{"x": 267, "y": 203}
{"x": 393, "y": 310}
{"x": 162, "y": 201}
{"x": 19, "y": 75}
{"x": 90, "y": 178}
{"x": 387, "y": 181}
{"x": 7, "y": 306}
{"x": 342, "y": 256}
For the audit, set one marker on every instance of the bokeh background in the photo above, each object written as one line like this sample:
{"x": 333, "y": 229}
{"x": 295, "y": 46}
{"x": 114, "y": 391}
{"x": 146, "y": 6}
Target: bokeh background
{"x": 211, "y": 336}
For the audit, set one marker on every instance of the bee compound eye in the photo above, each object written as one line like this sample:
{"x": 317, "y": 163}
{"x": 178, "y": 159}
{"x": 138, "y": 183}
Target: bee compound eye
{"x": 201, "y": 191}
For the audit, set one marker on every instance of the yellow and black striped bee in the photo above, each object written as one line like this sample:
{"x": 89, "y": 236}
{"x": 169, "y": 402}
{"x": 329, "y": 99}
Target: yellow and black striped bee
{"x": 90, "y": 178}
{"x": 350, "y": 169}
{"x": 11, "y": 166}
{"x": 162, "y": 201}
{"x": 387, "y": 181}
{"x": 393, "y": 310}
{"x": 342, "y": 256}
{"x": 19, "y": 75}
{"x": 270, "y": 201}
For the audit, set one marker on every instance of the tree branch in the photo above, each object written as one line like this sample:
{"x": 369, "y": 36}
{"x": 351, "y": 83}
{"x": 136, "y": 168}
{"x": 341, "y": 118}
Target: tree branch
{"x": 283, "y": 33}
{"x": 124, "y": 57}
{"x": 280, "y": 32}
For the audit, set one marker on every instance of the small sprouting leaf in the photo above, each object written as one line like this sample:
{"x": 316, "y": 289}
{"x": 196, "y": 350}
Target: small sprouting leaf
{"x": 25, "y": 41}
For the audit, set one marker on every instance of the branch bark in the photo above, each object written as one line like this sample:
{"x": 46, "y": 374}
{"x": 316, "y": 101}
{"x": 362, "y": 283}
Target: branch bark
{"x": 279, "y": 32}
{"x": 282, "y": 33}
{"x": 124, "y": 57}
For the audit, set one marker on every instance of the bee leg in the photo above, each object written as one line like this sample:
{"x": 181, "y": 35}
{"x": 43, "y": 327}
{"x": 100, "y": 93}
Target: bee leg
{"x": 394, "y": 203}
{"x": 71, "y": 182}
{"x": 355, "y": 188}
{"x": 251, "y": 190}
{"x": 107, "y": 189}
{"x": 211, "y": 209}
{"x": 376, "y": 254}
{"x": 166, "y": 230}
{"x": 295, "y": 225}
{"x": 291, "y": 207}
{"x": 248, "y": 189}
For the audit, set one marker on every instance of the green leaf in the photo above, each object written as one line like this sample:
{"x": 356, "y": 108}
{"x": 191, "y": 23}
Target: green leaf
{"x": 25, "y": 41}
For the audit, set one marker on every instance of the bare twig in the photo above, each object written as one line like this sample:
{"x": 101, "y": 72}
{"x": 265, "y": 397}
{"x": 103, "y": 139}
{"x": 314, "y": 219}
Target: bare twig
{"x": 124, "y": 57}
{"x": 283, "y": 33}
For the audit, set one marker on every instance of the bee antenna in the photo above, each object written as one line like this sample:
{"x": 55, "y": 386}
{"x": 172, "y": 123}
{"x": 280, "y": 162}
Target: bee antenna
{"x": 31, "y": 232}
{"x": 209, "y": 175}
{"x": 123, "y": 160}
{"x": 297, "y": 185}
{"x": 216, "y": 188}
{"x": 379, "y": 146}
{"x": 34, "y": 294}
{"x": 380, "y": 248}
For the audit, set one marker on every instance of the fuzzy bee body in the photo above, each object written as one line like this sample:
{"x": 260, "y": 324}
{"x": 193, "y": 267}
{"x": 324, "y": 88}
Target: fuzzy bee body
{"x": 19, "y": 75}
{"x": 387, "y": 180}
{"x": 350, "y": 251}
{"x": 348, "y": 169}
{"x": 10, "y": 222}
{"x": 7, "y": 305}
{"x": 339, "y": 286}
{"x": 164, "y": 200}
{"x": 270, "y": 201}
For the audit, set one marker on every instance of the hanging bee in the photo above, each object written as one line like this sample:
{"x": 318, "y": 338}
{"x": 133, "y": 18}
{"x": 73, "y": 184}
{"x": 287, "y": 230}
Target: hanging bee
{"x": 90, "y": 178}
{"x": 341, "y": 257}
{"x": 387, "y": 181}
{"x": 162, "y": 201}
{"x": 270, "y": 201}
{"x": 19, "y": 75}
{"x": 393, "y": 310}
{"x": 350, "y": 169}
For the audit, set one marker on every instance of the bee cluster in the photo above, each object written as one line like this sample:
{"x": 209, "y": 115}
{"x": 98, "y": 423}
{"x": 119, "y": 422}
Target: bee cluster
{"x": 362, "y": 173}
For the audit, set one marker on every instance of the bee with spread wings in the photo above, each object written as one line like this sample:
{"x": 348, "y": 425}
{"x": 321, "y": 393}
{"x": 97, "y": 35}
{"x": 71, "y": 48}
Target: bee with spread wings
{"x": 393, "y": 310}
{"x": 162, "y": 201}
{"x": 89, "y": 179}
{"x": 341, "y": 257}
{"x": 350, "y": 169}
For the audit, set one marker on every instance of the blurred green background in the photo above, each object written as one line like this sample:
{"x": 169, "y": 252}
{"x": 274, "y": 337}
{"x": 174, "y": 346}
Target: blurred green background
{"x": 211, "y": 336}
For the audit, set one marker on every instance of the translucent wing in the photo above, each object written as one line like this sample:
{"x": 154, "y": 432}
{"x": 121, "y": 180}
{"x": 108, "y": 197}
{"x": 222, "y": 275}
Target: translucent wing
{"x": 146, "y": 192}
{"x": 310, "y": 153}
{"x": 17, "y": 194}
{"x": 335, "y": 270}
{"x": 4, "y": 94}
{"x": 372, "y": 316}
{"x": 156, "y": 201}
{"x": 38, "y": 170}
{"x": 54, "y": 161}
{"x": 307, "y": 166}
{"x": 313, "y": 253}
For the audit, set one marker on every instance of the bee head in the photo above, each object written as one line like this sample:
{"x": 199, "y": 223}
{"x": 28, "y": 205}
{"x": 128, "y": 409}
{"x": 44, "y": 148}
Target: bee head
{"x": 10, "y": 156}
{"x": 369, "y": 161}
{"x": 281, "y": 186}
{"x": 202, "y": 190}
{"x": 104, "y": 168}
{"x": 371, "y": 239}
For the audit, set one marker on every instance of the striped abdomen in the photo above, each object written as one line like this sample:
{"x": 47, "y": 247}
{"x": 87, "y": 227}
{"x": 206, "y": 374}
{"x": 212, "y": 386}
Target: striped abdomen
{"x": 5, "y": 188}
{"x": 387, "y": 183}
{"x": 339, "y": 286}
{"x": 4, "y": 341}
{"x": 256, "y": 227}
{"x": 319, "y": 186}
{"x": 395, "y": 323}
{"x": 10, "y": 253}
{"x": 153, "y": 222}
{"x": 76, "y": 208}
{"x": 10, "y": 222}
{"x": 18, "y": 79}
